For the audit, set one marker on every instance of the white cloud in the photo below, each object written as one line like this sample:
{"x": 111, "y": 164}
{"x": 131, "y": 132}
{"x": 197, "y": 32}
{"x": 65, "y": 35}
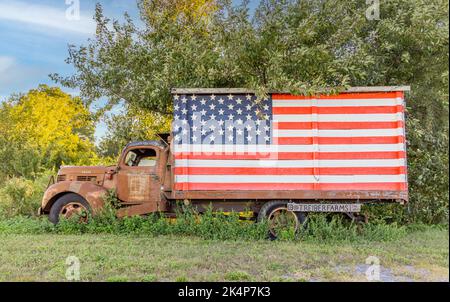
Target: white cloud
{"x": 5, "y": 64}
{"x": 45, "y": 16}
{"x": 16, "y": 77}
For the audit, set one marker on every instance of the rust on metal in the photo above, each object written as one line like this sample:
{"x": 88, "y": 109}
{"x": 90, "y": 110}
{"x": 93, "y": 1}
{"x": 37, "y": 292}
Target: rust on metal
{"x": 291, "y": 195}
{"x": 74, "y": 208}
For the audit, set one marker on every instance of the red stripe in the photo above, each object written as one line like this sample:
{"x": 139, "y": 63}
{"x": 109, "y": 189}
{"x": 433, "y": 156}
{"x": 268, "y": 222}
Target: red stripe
{"x": 337, "y": 125}
{"x": 348, "y": 95}
{"x": 399, "y": 186}
{"x": 292, "y": 155}
{"x": 338, "y": 140}
{"x": 289, "y": 171}
{"x": 339, "y": 110}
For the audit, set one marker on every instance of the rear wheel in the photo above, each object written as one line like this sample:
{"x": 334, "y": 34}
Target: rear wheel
{"x": 69, "y": 205}
{"x": 280, "y": 220}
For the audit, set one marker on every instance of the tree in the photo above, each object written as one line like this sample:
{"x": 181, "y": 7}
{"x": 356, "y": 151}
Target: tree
{"x": 139, "y": 65}
{"x": 298, "y": 46}
{"x": 227, "y": 49}
{"x": 133, "y": 125}
{"x": 42, "y": 130}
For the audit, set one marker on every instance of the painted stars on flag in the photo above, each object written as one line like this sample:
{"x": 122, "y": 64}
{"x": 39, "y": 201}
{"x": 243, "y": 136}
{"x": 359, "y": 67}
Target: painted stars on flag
{"x": 222, "y": 119}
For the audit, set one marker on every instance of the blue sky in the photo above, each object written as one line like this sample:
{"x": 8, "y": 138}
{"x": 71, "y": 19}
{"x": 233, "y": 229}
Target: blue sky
{"x": 34, "y": 36}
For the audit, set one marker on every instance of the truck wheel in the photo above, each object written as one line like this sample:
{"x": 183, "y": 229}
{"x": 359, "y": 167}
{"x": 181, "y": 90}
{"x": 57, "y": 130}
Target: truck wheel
{"x": 280, "y": 219}
{"x": 69, "y": 205}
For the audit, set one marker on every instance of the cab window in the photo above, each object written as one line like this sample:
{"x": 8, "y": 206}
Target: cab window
{"x": 141, "y": 158}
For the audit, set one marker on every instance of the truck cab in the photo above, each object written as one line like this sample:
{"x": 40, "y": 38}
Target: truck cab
{"x": 137, "y": 181}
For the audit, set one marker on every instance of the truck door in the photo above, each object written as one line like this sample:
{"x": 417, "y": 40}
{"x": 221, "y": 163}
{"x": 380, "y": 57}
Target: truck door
{"x": 137, "y": 180}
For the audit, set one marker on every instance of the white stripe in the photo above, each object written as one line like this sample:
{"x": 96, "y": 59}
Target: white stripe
{"x": 384, "y": 117}
{"x": 198, "y": 148}
{"x": 289, "y": 178}
{"x": 339, "y": 133}
{"x": 338, "y": 102}
{"x": 274, "y": 163}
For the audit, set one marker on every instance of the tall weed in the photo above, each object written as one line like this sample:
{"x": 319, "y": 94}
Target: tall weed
{"x": 210, "y": 225}
{"x": 20, "y": 196}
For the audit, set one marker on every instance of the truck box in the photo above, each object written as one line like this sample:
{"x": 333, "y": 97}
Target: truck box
{"x": 227, "y": 144}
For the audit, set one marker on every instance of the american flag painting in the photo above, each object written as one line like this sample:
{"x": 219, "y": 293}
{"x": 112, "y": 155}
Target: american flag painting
{"x": 350, "y": 141}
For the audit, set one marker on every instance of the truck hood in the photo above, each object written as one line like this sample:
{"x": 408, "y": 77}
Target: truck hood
{"x": 83, "y": 173}
{"x": 83, "y": 169}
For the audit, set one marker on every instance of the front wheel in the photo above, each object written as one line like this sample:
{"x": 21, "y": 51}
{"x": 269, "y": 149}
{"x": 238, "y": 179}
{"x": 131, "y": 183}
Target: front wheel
{"x": 69, "y": 205}
{"x": 280, "y": 220}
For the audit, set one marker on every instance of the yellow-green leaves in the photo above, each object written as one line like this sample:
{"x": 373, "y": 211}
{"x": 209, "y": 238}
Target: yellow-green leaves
{"x": 42, "y": 130}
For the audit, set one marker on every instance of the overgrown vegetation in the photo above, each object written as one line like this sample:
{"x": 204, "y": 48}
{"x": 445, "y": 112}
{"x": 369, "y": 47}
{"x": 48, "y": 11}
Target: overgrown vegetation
{"x": 19, "y": 218}
{"x": 209, "y": 225}
{"x": 21, "y": 196}
{"x": 291, "y": 45}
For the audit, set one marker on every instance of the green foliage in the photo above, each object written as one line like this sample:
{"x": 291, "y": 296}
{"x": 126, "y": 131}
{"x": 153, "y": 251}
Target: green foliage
{"x": 276, "y": 50}
{"x": 133, "y": 125}
{"x": 335, "y": 229}
{"x": 386, "y": 213}
{"x": 211, "y": 226}
{"x": 300, "y": 46}
{"x": 42, "y": 130}
{"x": 20, "y": 196}
{"x": 428, "y": 173}
{"x": 19, "y": 159}
{"x": 297, "y": 46}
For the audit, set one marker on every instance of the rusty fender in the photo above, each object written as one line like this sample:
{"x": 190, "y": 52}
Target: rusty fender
{"x": 91, "y": 192}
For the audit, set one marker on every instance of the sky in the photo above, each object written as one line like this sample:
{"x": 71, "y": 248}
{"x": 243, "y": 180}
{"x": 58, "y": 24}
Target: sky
{"x": 34, "y": 39}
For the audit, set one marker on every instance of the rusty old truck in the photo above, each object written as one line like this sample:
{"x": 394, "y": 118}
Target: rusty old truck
{"x": 283, "y": 155}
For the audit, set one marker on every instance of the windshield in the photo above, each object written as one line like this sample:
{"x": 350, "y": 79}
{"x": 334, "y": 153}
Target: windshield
{"x": 141, "y": 158}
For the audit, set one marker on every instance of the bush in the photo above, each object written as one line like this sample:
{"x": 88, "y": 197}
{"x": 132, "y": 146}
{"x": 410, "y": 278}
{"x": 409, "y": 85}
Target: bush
{"x": 386, "y": 213}
{"x": 428, "y": 174}
{"x": 336, "y": 228}
{"x": 20, "y": 196}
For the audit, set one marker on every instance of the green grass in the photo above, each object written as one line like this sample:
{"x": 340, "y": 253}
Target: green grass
{"x": 420, "y": 254}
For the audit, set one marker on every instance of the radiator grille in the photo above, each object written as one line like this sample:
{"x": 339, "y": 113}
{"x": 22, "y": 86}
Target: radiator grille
{"x": 86, "y": 178}
{"x": 61, "y": 178}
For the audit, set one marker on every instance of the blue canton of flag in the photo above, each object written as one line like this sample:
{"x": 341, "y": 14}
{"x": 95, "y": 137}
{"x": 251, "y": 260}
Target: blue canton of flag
{"x": 222, "y": 119}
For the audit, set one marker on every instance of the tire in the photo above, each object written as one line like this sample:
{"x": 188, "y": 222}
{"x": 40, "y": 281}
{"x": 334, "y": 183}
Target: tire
{"x": 271, "y": 206}
{"x": 65, "y": 201}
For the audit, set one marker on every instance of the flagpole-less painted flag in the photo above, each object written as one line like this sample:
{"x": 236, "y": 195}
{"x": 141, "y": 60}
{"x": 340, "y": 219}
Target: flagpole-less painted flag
{"x": 349, "y": 141}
